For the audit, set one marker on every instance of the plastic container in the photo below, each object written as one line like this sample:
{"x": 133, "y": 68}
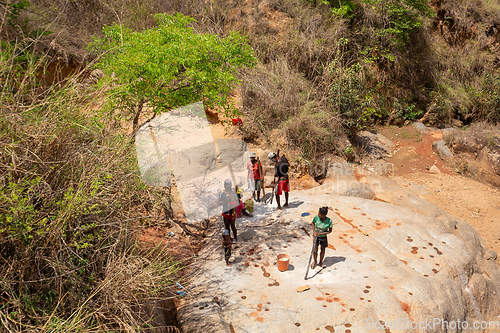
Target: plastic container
{"x": 249, "y": 205}
{"x": 283, "y": 261}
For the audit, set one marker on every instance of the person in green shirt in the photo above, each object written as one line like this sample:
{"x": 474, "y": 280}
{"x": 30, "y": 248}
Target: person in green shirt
{"x": 322, "y": 226}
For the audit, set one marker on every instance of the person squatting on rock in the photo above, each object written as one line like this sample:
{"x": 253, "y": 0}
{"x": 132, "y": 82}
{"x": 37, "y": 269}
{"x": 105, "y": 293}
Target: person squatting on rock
{"x": 226, "y": 244}
{"x": 229, "y": 200}
{"x": 322, "y": 226}
{"x": 254, "y": 176}
{"x": 281, "y": 173}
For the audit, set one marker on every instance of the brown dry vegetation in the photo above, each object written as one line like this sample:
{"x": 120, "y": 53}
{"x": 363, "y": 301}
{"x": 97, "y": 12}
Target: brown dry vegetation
{"x": 71, "y": 205}
{"x": 71, "y": 194}
{"x": 447, "y": 69}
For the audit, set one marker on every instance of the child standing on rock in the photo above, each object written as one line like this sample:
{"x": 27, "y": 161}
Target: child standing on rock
{"x": 322, "y": 226}
{"x": 226, "y": 244}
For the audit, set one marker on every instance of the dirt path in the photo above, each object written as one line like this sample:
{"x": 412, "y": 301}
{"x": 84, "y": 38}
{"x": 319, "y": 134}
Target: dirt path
{"x": 465, "y": 198}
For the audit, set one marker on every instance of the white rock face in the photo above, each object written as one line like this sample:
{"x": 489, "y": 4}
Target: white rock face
{"x": 394, "y": 262}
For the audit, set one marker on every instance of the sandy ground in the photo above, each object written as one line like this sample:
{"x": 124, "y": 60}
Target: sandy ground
{"x": 465, "y": 198}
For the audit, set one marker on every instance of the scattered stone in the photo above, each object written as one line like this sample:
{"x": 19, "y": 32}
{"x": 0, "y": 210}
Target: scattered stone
{"x": 442, "y": 149}
{"x": 302, "y": 288}
{"x": 449, "y": 131}
{"x": 434, "y": 169}
{"x": 420, "y": 127}
{"x": 490, "y": 255}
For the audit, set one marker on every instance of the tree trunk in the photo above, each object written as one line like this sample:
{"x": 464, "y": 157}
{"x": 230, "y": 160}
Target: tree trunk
{"x": 135, "y": 123}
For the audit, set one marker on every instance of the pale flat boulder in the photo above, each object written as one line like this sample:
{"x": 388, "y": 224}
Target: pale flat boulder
{"x": 400, "y": 262}
{"x": 434, "y": 169}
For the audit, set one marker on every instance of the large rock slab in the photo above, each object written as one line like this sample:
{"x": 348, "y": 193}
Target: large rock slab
{"x": 394, "y": 260}
{"x": 374, "y": 145}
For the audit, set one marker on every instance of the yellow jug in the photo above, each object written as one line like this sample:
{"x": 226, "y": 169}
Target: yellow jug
{"x": 249, "y": 205}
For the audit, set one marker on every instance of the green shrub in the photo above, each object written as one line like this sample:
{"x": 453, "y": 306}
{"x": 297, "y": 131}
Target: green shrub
{"x": 408, "y": 111}
{"x": 488, "y": 98}
{"x": 69, "y": 205}
{"x": 351, "y": 98}
{"x": 316, "y": 134}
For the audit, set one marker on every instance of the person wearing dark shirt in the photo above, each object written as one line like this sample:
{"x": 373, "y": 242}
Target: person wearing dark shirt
{"x": 229, "y": 200}
{"x": 281, "y": 173}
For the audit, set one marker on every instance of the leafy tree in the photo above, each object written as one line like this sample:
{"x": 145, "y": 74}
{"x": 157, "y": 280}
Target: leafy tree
{"x": 171, "y": 65}
{"x": 397, "y": 18}
{"x": 400, "y": 17}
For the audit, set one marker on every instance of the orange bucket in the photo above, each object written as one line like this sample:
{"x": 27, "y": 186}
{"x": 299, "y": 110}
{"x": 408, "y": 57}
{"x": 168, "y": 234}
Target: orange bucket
{"x": 283, "y": 261}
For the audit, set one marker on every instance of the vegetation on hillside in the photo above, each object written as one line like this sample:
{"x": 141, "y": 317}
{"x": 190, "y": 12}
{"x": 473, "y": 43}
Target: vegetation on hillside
{"x": 71, "y": 196}
{"x": 170, "y": 66}
{"x": 71, "y": 202}
{"x": 334, "y": 66}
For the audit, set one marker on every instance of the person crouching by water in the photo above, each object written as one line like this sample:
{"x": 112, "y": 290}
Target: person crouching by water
{"x": 226, "y": 244}
{"x": 322, "y": 226}
{"x": 229, "y": 200}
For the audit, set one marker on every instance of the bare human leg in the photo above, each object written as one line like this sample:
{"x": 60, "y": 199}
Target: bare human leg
{"x": 322, "y": 256}
{"x": 315, "y": 256}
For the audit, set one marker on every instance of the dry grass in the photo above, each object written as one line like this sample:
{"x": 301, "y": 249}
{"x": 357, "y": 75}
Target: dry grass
{"x": 440, "y": 69}
{"x": 491, "y": 6}
{"x": 278, "y": 99}
{"x": 71, "y": 200}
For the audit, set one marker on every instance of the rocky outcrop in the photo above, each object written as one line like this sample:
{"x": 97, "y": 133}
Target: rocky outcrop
{"x": 442, "y": 150}
{"x": 374, "y": 145}
{"x": 491, "y": 155}
{"x": 483, "y": 145}
{"x": 421, "y": 127}
{"x": 392, "y": 259}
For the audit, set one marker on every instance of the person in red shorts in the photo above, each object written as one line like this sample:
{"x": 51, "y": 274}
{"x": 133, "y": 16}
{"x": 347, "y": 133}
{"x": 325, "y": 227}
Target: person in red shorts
{"x": 281, "y": 173}
{"x": 229, "y": 200}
